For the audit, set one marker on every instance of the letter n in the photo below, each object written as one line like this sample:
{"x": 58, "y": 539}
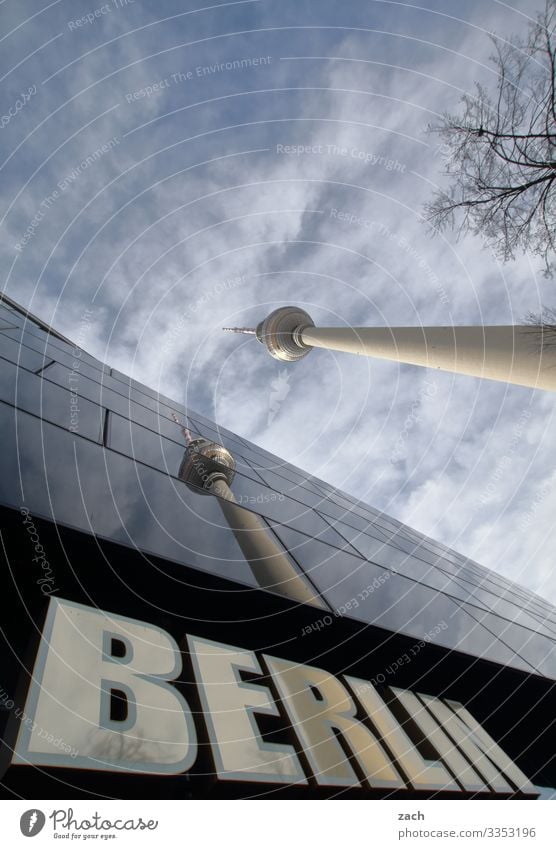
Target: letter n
{"x": 102, "y": 682}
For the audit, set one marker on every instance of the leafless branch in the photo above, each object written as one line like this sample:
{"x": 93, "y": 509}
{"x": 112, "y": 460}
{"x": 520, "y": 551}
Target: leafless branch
{"x": 501, "y": 154}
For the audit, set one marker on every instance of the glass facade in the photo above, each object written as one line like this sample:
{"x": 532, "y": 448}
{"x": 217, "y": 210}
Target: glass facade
{"x": 88, "y": 448}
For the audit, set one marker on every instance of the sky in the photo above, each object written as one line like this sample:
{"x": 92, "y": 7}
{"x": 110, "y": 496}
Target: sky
{"x": 168, "y": 169}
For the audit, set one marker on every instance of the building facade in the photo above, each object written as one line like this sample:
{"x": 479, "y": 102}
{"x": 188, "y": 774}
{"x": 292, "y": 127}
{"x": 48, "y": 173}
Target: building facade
{"x": 185, "y": 624}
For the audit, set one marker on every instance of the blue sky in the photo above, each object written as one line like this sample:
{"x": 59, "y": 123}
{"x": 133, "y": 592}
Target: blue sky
{"x": 148, "y": 177}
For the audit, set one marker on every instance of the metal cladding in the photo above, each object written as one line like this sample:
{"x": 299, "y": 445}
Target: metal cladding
{"x": 280, "y": 333}
{"x": 205, "y": 462}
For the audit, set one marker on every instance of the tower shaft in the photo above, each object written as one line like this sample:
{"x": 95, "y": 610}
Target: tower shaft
{"x": 521, "y": 354}
{"x": 512, "y": 354}
{"x": 207, "y": 467}
{"x": 269, "y": 565}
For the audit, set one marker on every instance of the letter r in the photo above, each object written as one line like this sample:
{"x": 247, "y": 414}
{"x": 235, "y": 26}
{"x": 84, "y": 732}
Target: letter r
{"x": 79, "y": 671}
{"x": 316, "y": 718}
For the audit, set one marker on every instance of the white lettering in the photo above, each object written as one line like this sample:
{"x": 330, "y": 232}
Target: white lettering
{"x": 76, "y": 679}
{"x": 229, "y": 703}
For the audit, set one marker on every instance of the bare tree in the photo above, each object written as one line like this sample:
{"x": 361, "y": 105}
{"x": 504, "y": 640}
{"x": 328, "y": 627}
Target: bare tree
{"x": 501, "y": 152}
{"x": 543, "y": 326}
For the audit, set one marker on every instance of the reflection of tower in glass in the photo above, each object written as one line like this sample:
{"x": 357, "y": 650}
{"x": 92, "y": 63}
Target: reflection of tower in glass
{"x": 209, "y": 468}
{"x": 520, "y": 354}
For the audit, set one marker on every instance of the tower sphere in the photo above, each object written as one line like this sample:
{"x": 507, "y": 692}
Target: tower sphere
{"x": 280, "y": 333}
{"x": 205, "y": 462}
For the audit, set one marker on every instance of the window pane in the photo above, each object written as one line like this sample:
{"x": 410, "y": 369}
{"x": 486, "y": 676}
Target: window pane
{"x": 159, "y": 422}
{"x": 63, "y": 407}
{"x": 535, "y": 649}
{"x": 367, "y": 592}
{"x": 12, "y": 350}
{"x": 504, "y": 608}
{"x": 155, "y": 449}
{"x": 98, "y": 491}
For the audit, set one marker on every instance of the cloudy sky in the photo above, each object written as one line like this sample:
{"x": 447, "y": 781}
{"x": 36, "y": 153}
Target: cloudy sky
{"x": 149, "y": 175}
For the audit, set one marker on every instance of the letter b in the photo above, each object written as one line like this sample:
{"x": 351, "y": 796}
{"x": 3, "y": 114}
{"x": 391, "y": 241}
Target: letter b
{"x": 116, "y": 707}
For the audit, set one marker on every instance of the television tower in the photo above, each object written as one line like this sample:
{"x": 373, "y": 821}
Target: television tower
{"x": 208, "y": 468}
{"x": 520, "y": 354}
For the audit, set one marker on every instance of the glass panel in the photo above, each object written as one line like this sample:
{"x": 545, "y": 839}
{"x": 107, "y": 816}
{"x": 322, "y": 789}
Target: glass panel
{"x": 434, "y": 558}
{"x": 333, "y": 510}
{"x": 128, "y": 383}
{"x": 159, "y": 422}
{"x": 314, "y": 489}
{"x": 5, "y": 310}
{"x": 27, "y": 336}
{"x": 378, "y": 528}
{"x": 503, "y": 608}
{"x": 286, "y": 476}
{"x": 63, "y": 348}
{"x": 290, "y": 479}
{"x": 442, "y": 575}
{"x": 410, "y": 547}
{"x": 91, "y": 389}
{"x": 366, "y": 592}
{"x": 144, "y": 446}
{"x": 218, "y": 435}
{"x": 12, "y": 350}
{"x": 275, "y": 505}
{"x": 390, "y": 557}
{"x": 43, "y": 343}
{"x": 539, "y": 651}
{"x": 159, "y": 425}
{"x": 352, "y": 532}
{"x": 150, "y": 448}
{"x": 29, "y": 392}
{"x": 71, "y": 348}
{"x": 543, "y": 613}
{"x": 110, "y": 495}
{"x": 326, "y": 488}
{"x": 218, "y": 431}
{"x": 349, "y": 520}
{"x": 515, "y": 593}
{"x": 464, "y": 573}
{"x": 203, "y": 422}
{"x": 535, "y": 649}
{"x": 6, "y": 324}
{"x": 262, "y": 458}
{"x": 72, "y": 362}
{"x": 312, "y": 525}
{"x": 292, "y": 489}
{"x": 349, "y": 504}
{"x": 11, "y": 333}
{"x": 540, "y": 602}
{"x": 157, "y": 450}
